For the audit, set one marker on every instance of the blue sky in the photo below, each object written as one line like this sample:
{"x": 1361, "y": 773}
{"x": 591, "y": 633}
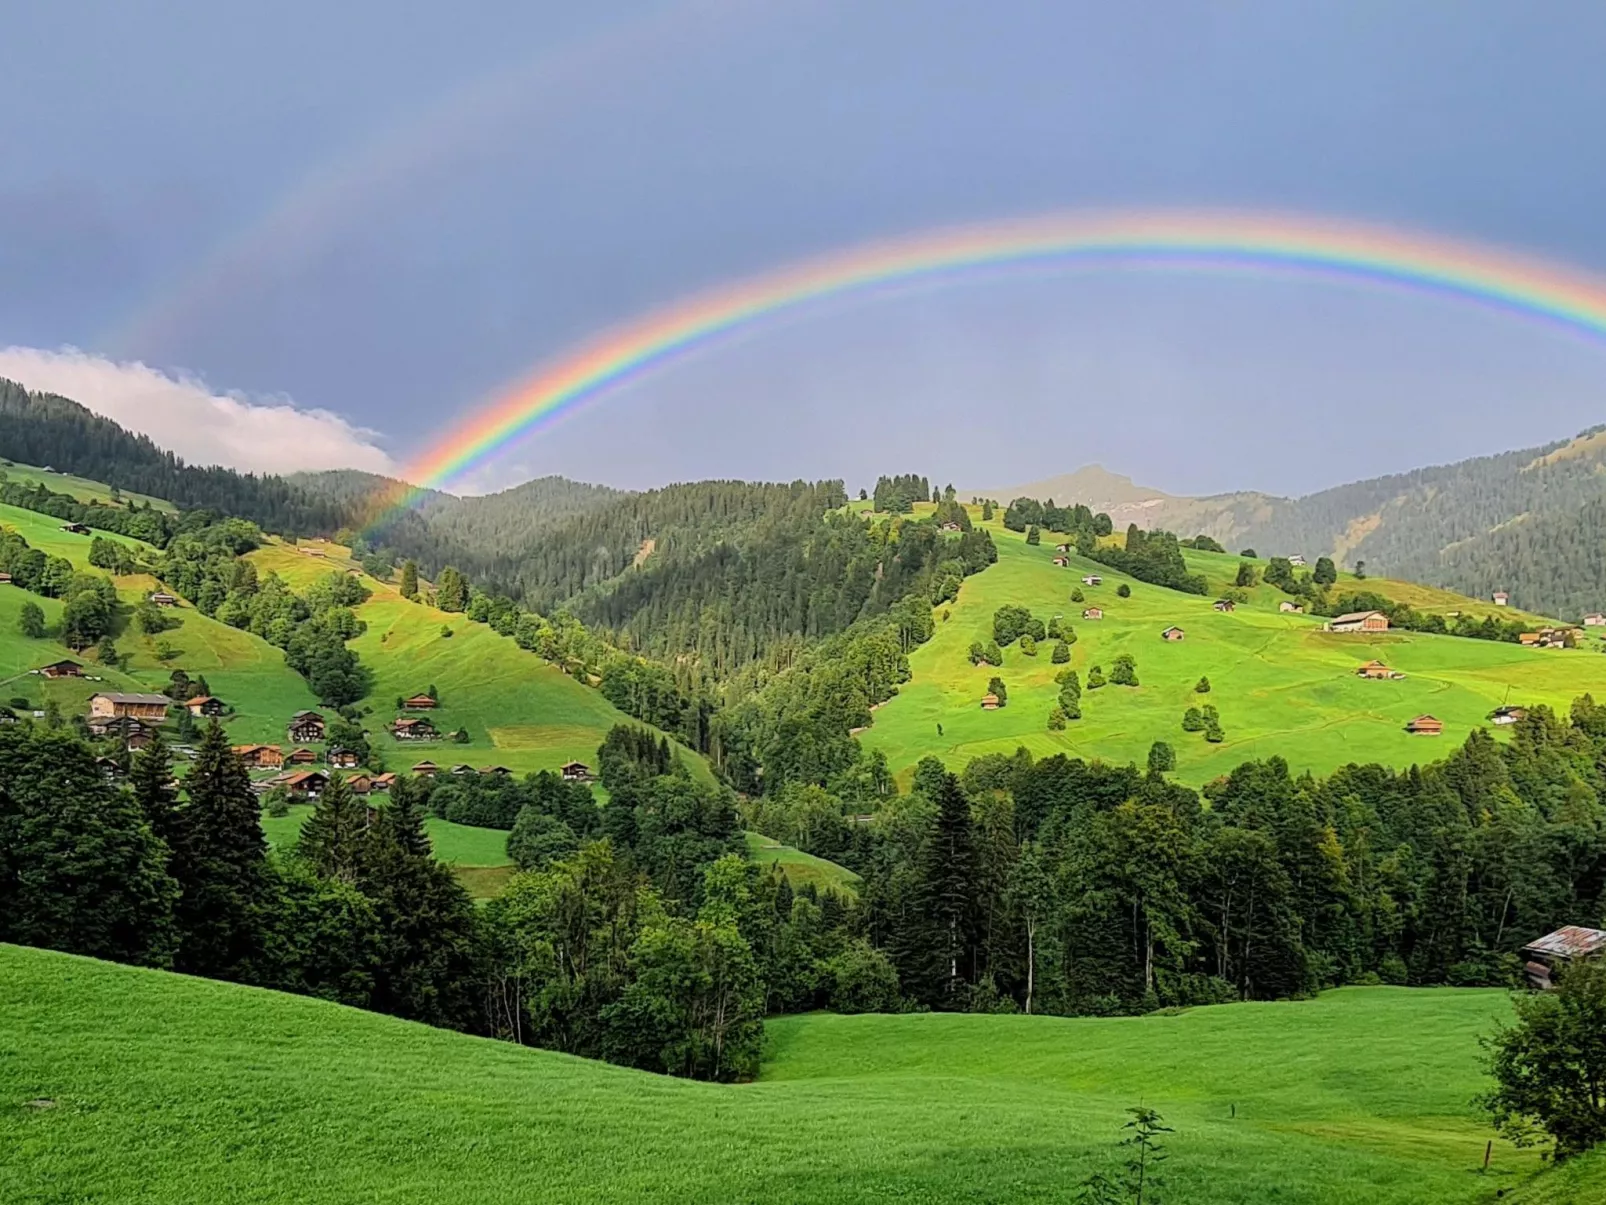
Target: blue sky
{"x": 388, "y": 211}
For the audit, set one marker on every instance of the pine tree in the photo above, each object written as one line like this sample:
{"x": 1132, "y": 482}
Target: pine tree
{"x": 151, "y": 778}
{"x": 220, "y": 862}
{"x": 332, "y": 838}
{"x": 946, "y": 899}
{"x": 409, "y": 580}
{"x": 405, "y": 818}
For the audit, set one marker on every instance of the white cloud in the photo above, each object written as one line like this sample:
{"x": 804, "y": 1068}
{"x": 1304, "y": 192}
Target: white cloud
{"x": 185, "y": 417}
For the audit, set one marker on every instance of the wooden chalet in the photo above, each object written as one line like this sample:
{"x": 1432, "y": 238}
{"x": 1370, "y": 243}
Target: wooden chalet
{"x": 1359, "y": 621}
{"x": 462, "y": 768}
{"x": 1500, "y": 598}
{"x": 77, "y": 529}
{"x": 1595, "y": 620}
{"x": 496, "y": 771}
{"x": 107, "y": 705}
{"x": 426, "y": 769}
{"x": 414, "y": 729}
{"x": 1290, "y": 608}
{"x": 989, "y": 702}
{"x": 61, "y": 669}
{"x": 360, "y": 784}
{"x": 420, "y": 703}
{"x": 1528, "y": 639}
{"x": 1092, "y": 579}
{"x": 134, "y": 733}
{"x": 1571, "y": 943}
{"x": 1093, "y": 613}
{"x": 306, "y": 727}
{"x": 204, "y": 705}
{"x": 162, "y": 598}
{"x": 1374, "y": 669}
{"x": 1062, "y": 548}
{"x": 341, "y": 759}
{"x": 1425, "y": 725}
{"x": 575, "y": 771}
{"x": 260, "y": 757}
{"x": 1507, "y": 714}
{"x": 383, "y": 782}
{"x": 1224, "y": 604}
{"x": 302, "y": 757}
{"x": 1173, "y": 634}
{"x": 1062, "y": 561}
{"x": 303, "y": 784}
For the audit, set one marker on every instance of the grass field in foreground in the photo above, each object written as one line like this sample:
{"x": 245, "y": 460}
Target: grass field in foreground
{"x": 168, "y": 1089}
{"x": 800, "y": 867}
{"x": 1282, "y": 685}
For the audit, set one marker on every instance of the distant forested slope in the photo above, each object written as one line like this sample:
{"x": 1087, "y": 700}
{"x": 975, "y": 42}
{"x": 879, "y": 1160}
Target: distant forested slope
{"x": 45, "y": 429}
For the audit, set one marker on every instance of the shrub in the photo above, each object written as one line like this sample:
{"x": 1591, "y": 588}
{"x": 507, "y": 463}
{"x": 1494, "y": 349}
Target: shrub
{"x": 1061, "y": 654}
{"x": 1123, "y": 591}
{"x": 862, "y": 980}
{"x": 1028, "y": 645}
{"x": 1192, "y": 720}
{"x": 1123, "y": 671}
{"x": 1162, "y": 757}
{"x": 1095, "y": 677}
{"x": 995, "y": 686}
{"x": 1202, "y": 686}
{"x": 1056, "y": 719}
{"x": 1077, "y": 595}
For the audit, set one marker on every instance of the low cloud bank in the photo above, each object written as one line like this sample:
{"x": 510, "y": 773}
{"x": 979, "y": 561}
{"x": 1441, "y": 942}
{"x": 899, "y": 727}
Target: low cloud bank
{"x": 184, "y": 416}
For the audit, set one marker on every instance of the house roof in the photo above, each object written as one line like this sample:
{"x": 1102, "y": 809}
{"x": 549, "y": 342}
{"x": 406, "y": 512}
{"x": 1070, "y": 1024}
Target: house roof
{"x": 146, "y": 700}
{"x": 241, "y": 749}
{"x": 1356, "y": 616}
{"x": 1426, "y": 721}
{"x": 989, "y": 698}
{"x": 307, "y": 715}
{"x": 574, "y": 765}
{"x": 301, "y": 776}
{"x": 191, "y": 702}
{"x": 1374, "y": 665}
{"x": 64, "y": 663}
{"x": 425, "y": 765}
{"x": 1570, "y": 941}
{"x": 1172, "y": 628}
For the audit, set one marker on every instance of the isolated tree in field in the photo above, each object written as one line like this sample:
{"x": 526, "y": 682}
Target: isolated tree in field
{"x": 1360, "y": 569}
{"x": 1009, "y": 621}
{"x": 1028, "y": 645}
{"x": 1550, "y": 1067}
{"x": 1192, "y": 720}
{"x": 409, "y": 580}
{"x": 1213, "y": 732}
{"x": 1033, "y": 536}
{"x": 1123, "y": 591}
{"x": 995, "y": 686}
{"x": 31, "y": 620}
{"x": 987, "y": 511}
{"x": 1144, "y": 1155}
{"x": 1325, "y": 574}
{"x": 1202, "y": 686}
{"x": 1162, "y": 758}
{"x": 1246, "y": 574}
{"x": 1280, "y": 573}
{"x": 451, "y": 590}
{"x": 1077, "y": 595}
{"x": 1124, "y": 670}
{"x": 1056, "y": 718}
{"x": 85, "y": 619}
{"x": 1095, "y": 677}
{"x": 1061, "y": 654}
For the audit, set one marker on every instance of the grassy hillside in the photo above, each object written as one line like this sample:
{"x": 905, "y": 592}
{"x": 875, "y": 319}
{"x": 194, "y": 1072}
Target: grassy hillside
{"x": 247, "y": 673}
{"x": 1281, "y": 684}
{"x": 79, "y": 487}
{"x": 478, "y": 856}
{"x": 127, "y": 1085}
{"x": 520, "y": 711}
{"x": 801, "y": 868}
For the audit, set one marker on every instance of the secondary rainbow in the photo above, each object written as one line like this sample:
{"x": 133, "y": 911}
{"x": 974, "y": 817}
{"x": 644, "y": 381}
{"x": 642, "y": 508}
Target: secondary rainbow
{"x": 1263, "y": 242}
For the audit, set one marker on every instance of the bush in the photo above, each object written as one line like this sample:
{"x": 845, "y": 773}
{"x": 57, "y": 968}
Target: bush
{"x": 1028, "y": 645}
{"x": 862, "y": 980}
{"x": 1202, "y": 686}
{"x": 1123, "y": 671}
{"x": 1095, "y": 677}
{"x": 1033, "y": 536}
{"x": 1123, "y": 591}
{"x": 1392, "y": 970}
{"x": 995, "y": 686}
{"x": 446, "y": 631}
{"x": 1061, "y": 654}
{"x": 1162, "y": 757}
{"x": 1077, "y": 595}
{"x": 1056, "y": 719}
{"x": 1192, "y": 720}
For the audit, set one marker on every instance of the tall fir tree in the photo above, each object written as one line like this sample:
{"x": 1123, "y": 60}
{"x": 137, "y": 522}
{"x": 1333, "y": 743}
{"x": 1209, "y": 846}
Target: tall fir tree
{"x": 946, "y": 904}
{"x": 405, "y": 818}
{"x": 409, "y": 580}
{"x": 332, "y": 837}
{"x": 220, "y": 862}
{"x": 150, "y": 777}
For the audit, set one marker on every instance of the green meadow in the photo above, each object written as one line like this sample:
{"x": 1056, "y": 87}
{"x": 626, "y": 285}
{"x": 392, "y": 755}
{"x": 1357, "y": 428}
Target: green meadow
{"x": 134, "y": 1086}
{"x": 801, "y": 868}
{"x": 1282, "y": 685}
{"x": 478, "y": 856}
{"x": 519, "y": 711}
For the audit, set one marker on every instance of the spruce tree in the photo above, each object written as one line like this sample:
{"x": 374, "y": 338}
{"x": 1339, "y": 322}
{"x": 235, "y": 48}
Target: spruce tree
{"x": 151, "y": 778}
{"x": 220, "y": 862}
{"x": 405, "y": 818}
{"x": 946, "y": 900}
{"x": 332, "y": 837}
{"x": 409, "y": 580}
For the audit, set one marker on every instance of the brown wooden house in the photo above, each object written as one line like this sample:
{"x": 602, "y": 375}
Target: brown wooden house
{"x": 420, "y": 703}
{"x": 575, "y": 771}
{"x": 302, "y": 757}
{"x": 1224, "y": 604}
{"x": 306, "y": 727}
{"x": 204, "y": 705}
{"x": 1507, "y": 715}
{"x": 341, "y": 759}
{"x": 1373, "y": 669}
{"x": 989, "y": 702}
{"x": 113, "y": 704}
{"x": 426, "y": 769}
{"x": 260, "y": 757}
{"x": 62, "y": 669}
{"x": 1571, "y": 943}
{"x": 1425, "y": 725}
{"x": 162, "y": 598}
{"x": 1093, "y": 613}
{"x": 1173, "y": 634}
{"x": 1359, "y": 621}
{"x": 414, "y": 729}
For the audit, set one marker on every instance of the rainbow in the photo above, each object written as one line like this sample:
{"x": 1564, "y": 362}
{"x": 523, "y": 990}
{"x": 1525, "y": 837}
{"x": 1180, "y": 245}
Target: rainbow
{"x": 1263, "y": 242}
